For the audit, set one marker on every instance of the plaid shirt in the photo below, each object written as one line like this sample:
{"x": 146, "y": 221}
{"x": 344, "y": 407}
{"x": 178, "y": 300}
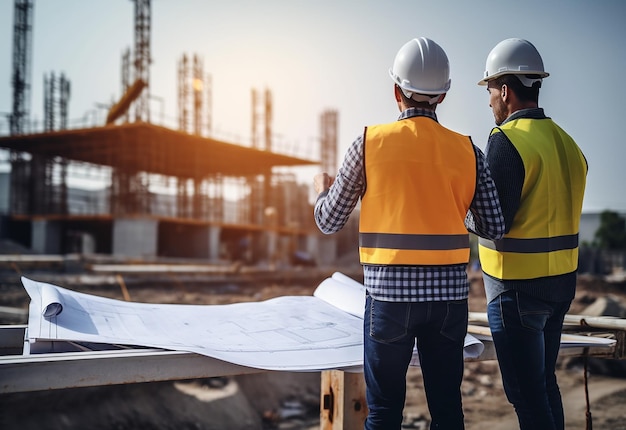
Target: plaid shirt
{"x": 409, "y": 283}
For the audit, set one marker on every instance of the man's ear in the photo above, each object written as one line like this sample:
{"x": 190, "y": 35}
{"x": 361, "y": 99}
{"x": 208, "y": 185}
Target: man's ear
{"x": 504, "y": 92}
{"x": 396, "y": 93}
{"x": 441, "y": 97}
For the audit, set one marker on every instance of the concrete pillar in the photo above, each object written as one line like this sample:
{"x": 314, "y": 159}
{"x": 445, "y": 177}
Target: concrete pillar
{"x": 5, "y": 192}
{"x": 46, "y": 237}
{"x": 214, "y": 242}
{"x": 328, "y": 250}
{"x": 323, "y": 248}
{"x": 311, "y": 246}
{"x": 135, "y": 237}
{"x": 272, "y": 247}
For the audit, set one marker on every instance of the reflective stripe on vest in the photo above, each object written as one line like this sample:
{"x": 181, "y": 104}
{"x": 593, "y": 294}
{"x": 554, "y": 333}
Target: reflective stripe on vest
{"x": 421, "y": 179}
{"x": 425, "y": 242}
{"x": 543, "y": 240}
{"x": 531, "y": 246}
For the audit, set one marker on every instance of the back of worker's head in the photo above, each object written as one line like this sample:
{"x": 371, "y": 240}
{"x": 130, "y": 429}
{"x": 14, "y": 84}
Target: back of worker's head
{"x": 421, "y": 70}
{"x": 516, "y": 63}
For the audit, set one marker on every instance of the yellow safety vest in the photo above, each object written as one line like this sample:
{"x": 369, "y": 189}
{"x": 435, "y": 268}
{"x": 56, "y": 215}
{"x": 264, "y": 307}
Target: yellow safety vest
{"x": 543, "y": 240}
{"x": 421, "y": 179}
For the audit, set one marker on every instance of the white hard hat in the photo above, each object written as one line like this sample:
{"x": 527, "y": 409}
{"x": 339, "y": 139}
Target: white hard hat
{"x": 514, "y": 57}
{"x": 421, "y": 67}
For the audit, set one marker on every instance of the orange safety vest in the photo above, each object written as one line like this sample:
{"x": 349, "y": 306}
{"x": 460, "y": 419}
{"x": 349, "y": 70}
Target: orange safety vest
{"x": 543, "y": 240}
{"x": 421, "y": 179}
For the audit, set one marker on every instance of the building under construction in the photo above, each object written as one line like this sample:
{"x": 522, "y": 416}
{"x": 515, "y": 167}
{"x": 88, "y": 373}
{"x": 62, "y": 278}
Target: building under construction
{"x": 162, "y": 192}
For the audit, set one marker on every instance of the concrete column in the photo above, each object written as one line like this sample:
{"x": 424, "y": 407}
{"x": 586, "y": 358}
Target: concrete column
{"x": 323, "y": 248}
{"x": 5, "y": 192}
{"x": 214, "y": 242}
{"x": 311, "y": 246}
{"x": 46, "y": 237}
{"x": 135, "y": 237}
{"x": 328, "y": 250}
{"x": 272, "y": 248}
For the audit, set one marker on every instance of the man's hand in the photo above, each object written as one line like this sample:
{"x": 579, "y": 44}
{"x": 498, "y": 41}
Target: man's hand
{"x": 322, "y": 182}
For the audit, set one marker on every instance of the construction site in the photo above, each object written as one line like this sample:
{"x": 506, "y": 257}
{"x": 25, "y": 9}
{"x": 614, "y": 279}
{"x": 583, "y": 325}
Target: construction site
{"x": 150, "y": 213}
{"x": 163, "y": 193}
{"x": 129, "y": 210}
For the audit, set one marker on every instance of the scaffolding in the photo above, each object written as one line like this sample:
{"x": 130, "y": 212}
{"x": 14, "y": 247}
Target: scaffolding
{"x": 209, "y": 104}
{"x": 262, "y": 119}
{"x": 183, "y": 94}
{"x": 56, "y": 101}
{"x": 22, "y": 43}
{"x": 197, "y": 87}
{"x": 125, "y": 77}
{"x": 142, "y": 57}
{"x": 20, "y": 80}
{"x": 191, "y": 85}
{"x": 144, "y": 171}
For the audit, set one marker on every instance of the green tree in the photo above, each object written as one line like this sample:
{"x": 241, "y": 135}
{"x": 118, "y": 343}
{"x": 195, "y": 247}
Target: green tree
{"x": 612, "y": 231}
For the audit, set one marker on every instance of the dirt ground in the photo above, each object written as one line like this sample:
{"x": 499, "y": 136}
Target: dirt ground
{"x": 281, "y": 400}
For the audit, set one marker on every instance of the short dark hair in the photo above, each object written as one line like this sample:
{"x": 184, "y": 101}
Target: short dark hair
{"x": 523, "y": 93}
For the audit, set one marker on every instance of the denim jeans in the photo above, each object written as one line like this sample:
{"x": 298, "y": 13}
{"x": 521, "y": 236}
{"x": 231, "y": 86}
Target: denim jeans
{"x": 527, "y": 337}
{"x": 391, "y": 329}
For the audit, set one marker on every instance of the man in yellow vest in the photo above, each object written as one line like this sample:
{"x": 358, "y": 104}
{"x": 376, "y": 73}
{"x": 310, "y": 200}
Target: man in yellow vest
{"x": 530, "y": 274}
{"x": 421, "y": 187}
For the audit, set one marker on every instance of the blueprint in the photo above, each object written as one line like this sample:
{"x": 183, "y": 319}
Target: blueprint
{"x": 295, "y": 333}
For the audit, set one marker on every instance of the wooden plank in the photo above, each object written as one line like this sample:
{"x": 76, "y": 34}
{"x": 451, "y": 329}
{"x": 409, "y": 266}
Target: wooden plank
{"x": 342, "y": 403}
{"x": 604, "y": 322}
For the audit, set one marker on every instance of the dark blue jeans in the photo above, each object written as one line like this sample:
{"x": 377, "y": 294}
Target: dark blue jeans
{"x": 527, "y": 337}
{"x": 391, "y": 329}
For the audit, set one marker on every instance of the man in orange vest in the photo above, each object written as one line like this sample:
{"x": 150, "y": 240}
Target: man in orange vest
{"x": 421, "y": 187}
{"x": 530, "y": 274}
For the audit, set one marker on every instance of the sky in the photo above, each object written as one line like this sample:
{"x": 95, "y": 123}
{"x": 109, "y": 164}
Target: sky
{"x": 336, "y": 54}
